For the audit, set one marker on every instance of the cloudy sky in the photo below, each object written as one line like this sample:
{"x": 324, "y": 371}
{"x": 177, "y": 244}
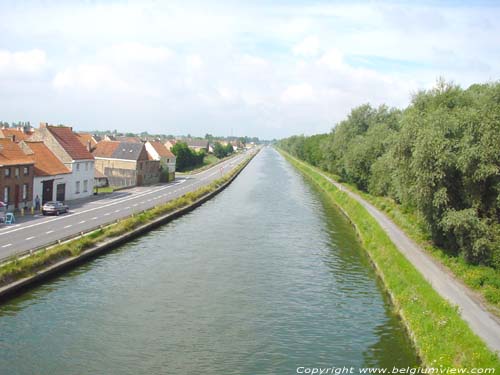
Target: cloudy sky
{"x": 257, "y": 68}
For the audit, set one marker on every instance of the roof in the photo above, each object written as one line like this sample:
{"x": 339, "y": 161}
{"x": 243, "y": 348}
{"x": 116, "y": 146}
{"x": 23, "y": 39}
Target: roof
{"x": 129, "y": 139}
{"x": 197, "y": 143}
{"x": 46, "y": 163}
{"x": 162, "y": 150}
{"x": 85, "y": 138}
{"x": 11, "y": 153}
{"x": 119, "y": 150}
{"x": 17, "y": 134}
{"x": 70, "y": 142}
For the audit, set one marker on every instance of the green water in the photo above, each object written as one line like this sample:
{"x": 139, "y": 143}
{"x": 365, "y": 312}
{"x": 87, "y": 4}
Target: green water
{"x": 266, "y": 277}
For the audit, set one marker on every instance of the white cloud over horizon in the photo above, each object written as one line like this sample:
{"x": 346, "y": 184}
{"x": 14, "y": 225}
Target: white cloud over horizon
{"x": 248, "y": 69}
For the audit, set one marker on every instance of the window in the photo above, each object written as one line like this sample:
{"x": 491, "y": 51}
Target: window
{"x": 85, "y": 185}
{"x": 26, "y": 171}
{"x": 77, "y": 166}
{"x": 25, "y": 191}
{"x": 16, "y": 172}
{"x": 7, "y": 172}
{"x": 77, "y": 191}
{"x": 6, "y": 194}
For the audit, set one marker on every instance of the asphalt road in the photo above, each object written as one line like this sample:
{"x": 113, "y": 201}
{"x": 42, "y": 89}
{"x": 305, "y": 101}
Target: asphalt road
{"x": 480, "y": 320}
{"x": 33, "y": 232}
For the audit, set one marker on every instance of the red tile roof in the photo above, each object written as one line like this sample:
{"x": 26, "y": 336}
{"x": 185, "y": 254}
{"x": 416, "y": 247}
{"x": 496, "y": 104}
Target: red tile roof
{"x": 11, "y": 153}
{"x": 19, "y": 135}
{"x": 85, "y": 138}
{"x": 162, "y": 150}
{"x": 70, "y": 142}
{"x": 105, "y": 149}
{"x": 46, "y": 163}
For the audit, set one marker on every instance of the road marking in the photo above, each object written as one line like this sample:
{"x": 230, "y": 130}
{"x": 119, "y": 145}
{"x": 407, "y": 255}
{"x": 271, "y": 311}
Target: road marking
{"x": 117, "y": 210}
{"x": 94, "y": 218}
{"x": 83, "y": 221}
{"x": 9, "y": 244}
{"x": 68, "y": 226}
{"x": 49, "y": 232}
{"x": 30, "y": 238}
{"x": 135, "y": 205}
{"x": 121, "y": 200}
{"x": 107, "y": 214}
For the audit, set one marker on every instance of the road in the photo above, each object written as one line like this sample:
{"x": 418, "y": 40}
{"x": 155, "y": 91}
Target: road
{"x": 37, "y": 231}
{"x": 481, "y": 321}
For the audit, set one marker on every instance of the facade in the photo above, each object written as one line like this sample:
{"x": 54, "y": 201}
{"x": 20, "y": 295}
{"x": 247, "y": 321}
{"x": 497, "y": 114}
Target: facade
{"x": 65, "y": 145}
{"x": 126, "y": 164}
{"x": 158, "y": 151}
{"x": 198, "y": 144}
{"x": 52, "y": 178}
{"x": 16, "y": 176}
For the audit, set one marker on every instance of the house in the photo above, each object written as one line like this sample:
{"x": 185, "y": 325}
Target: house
{"x": 16, "y": 176}
{"x": 16, "y": 134}
{"x": 52, "y": 178}
{"x": 126, "y": 163}
{"x": 65, "y": 145}
{"x": 88, "y": 140}
{"x": 158, "y": 151}
{"x": 170, "y": 143}
{"x": 198, "y": 144}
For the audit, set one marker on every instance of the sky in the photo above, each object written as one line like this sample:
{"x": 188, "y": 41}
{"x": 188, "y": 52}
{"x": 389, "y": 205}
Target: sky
{"x": 257, "y": 68}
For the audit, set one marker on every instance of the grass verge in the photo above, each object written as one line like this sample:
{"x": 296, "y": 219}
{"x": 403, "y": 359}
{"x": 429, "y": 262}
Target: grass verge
{"x": 440, "y": 336}
{"x": 27, "y": 266}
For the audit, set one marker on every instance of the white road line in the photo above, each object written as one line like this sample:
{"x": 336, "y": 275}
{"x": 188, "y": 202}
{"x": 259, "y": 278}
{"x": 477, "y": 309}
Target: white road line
{"x": 115, "y": 202}
{"x": 94, "y": 218}
{"x": 30, "y": 238}
{"x": 49, "y": 232}
{"x": 135, "y": 205}
{"x": 107, "y": 214}
{"x": 83, "y": 221}
{"x": 9, "y": 244}
{"x": 68, "y": 226}
{"x": 117, "y": 210}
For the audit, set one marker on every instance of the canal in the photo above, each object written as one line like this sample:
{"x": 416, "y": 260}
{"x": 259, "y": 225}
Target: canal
{"x": 266, "y": 277}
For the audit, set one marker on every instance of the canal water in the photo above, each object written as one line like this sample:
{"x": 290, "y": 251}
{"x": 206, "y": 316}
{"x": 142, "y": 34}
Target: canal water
{"x": 266, "y": 277}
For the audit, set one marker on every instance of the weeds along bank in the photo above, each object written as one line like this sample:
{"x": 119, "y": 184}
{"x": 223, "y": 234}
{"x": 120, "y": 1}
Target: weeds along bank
{"x": 440, "y": 336}
{"x": 29, "y": 266}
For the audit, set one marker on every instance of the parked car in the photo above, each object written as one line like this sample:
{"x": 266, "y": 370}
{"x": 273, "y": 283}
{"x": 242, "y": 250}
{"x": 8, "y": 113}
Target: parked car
{"x": 54, "y": 208}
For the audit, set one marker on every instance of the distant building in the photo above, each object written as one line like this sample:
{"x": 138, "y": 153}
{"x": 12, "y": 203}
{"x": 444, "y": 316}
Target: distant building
{"x": 126, "y": 163}
{"x": 16, "y": 176}
{"x": 52, "y": 177}
{"x": 159, "y": 151}
{"x": 88, "y": 140}
{"x": 66, "y": 146}
{"x": 198, "y": 144}
{"x": 16, "y": 134}
{"x": 170, "y": 143}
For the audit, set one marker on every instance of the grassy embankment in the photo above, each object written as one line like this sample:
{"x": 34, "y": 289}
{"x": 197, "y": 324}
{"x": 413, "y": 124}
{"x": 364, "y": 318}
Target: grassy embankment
{"x": 440, "y": 335}
{"x": 27, "y": 266}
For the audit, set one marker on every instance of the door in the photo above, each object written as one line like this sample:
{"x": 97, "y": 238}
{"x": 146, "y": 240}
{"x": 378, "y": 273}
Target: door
{"x": 16, "y": 196}
{"x": 48, "y": 191}
{"x": 61, "y": 192}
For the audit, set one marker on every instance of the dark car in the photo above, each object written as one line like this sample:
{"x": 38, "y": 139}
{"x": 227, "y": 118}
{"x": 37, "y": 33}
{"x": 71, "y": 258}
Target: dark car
{"x": 54, "y": 208}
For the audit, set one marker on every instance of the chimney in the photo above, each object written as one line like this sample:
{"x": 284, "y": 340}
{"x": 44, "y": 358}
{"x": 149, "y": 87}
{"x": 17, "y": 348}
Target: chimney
{"x": 43, "y": 125}
{"x": 89, "y": 147}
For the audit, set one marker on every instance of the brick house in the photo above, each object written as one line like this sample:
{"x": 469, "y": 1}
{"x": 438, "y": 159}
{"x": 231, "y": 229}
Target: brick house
{"x": 126, "y": 163}
{"x": 16, "y": 176}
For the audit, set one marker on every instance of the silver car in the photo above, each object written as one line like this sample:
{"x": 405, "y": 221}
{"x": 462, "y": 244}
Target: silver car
{"x": 54, "y": 208}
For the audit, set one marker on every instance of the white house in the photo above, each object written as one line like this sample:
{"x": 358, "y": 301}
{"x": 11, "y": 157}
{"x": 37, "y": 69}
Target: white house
{"x": 66, "y": 146}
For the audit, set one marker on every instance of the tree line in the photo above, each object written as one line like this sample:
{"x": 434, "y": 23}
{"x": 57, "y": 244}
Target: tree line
{"x": 439, "y": 156}
{"x": 185, "y": 157}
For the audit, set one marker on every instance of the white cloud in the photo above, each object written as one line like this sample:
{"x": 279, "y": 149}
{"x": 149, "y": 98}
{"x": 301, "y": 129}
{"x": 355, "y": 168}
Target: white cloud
{"x": 298, "y": 93}
{"x": 137, "y": 52}
{"x": 308, "y": 47}
{"x": 31, "y": 61}
{"x": 89, "y": 77}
